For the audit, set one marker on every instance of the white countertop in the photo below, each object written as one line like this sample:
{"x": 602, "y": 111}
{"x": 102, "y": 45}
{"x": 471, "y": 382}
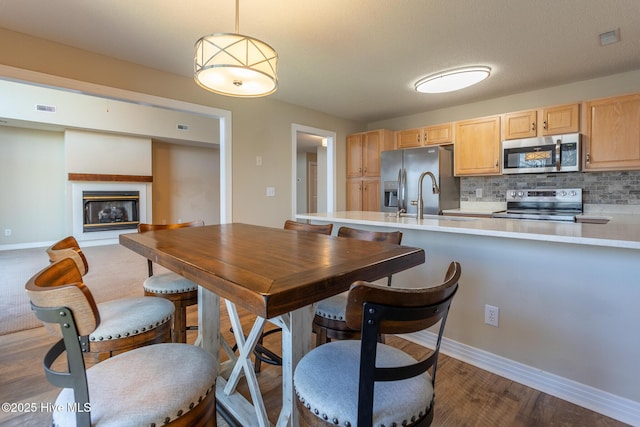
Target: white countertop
{"x": 622, "y": 231}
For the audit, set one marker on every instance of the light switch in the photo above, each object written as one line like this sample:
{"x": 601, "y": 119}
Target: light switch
{"x": 271, "y": 191}
{"x": 258, "y": 160}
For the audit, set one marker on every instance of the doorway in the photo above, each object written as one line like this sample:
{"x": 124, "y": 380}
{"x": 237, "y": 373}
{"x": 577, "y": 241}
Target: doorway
{"x": 313, "y": 170}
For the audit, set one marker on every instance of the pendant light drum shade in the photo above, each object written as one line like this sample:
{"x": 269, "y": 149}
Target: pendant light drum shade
{"x": 235, "y": 65}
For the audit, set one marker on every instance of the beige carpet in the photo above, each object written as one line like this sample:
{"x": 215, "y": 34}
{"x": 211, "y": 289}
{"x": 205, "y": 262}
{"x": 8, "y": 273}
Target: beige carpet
{"x": 114, "y": 272}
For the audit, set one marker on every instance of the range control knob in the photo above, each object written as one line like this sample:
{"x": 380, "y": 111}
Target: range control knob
{"x": 573, "y": 193}
{"x": 563, "y": 193}
{"x": 520, "y": 193}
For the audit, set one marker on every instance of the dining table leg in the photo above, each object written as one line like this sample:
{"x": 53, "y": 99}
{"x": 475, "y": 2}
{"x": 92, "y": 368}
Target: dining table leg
{"x": 296, "y": 342}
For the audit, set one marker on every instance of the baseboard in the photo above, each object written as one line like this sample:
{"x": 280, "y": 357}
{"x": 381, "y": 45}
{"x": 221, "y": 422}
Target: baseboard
{"x": 32, "y": 245}
{"x": 616, "y": 407}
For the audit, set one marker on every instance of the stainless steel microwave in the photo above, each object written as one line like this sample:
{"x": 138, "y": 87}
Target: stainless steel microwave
{"x": 559, "y": 153}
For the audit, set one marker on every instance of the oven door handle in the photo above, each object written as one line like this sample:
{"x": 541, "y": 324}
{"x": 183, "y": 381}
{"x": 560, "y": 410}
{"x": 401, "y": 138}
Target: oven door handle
{"x": 558, "y": 159}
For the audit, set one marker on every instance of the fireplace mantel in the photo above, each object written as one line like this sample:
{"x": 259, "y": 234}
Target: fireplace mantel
{"x": 98, "y": 177}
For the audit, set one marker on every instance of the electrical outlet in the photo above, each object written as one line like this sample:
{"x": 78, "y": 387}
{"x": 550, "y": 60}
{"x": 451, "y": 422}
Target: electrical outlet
{"x": 7, "y": 232}
{"x": 491, "y": 315}
{"x": 479, "y": 193}
{"x": 271, "y": 191}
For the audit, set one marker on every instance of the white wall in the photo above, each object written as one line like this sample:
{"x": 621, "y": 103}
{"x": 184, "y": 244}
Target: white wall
{"x": 102, "y": 153}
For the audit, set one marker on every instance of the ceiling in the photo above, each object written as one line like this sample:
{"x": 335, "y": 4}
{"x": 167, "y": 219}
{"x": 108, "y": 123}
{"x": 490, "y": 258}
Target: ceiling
{"x": 359, "y": 59}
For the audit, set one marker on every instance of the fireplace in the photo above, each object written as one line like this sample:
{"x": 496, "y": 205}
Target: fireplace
{"x": 101, "y": 211}
{"x": 110, "y": 210}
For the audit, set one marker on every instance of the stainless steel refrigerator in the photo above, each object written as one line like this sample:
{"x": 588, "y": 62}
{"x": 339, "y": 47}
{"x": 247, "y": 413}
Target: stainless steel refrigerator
{"x": 400, "y": 172}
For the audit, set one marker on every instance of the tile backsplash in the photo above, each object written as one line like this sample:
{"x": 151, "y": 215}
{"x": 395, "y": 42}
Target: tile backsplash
{"x": 611, "y": 188}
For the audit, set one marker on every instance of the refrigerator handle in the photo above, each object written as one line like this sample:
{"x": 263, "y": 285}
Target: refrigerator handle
{"x": 400, "y": 189}
{"x": 403, "y": 188}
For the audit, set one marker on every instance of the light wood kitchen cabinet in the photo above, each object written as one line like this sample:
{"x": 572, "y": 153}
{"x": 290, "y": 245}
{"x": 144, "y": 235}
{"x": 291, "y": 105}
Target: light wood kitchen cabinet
{"x": 363, "y": 168}
{"x": 477, "y": 146}
{"x": 438, "y": 134}
{"x": 363, "y": 152}
{"x": 555, "y": 120}
{"x": 430, "y": 135}
{"x": 363, "y": 195}
{"x": 560, "y": 119}
{"x": 612, "y": 134}
{"x": 522, "y": 124}
{"x": 409, "y": 138}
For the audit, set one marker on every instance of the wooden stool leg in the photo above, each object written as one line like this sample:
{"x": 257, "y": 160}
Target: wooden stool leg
{"x": 180, "y": 324}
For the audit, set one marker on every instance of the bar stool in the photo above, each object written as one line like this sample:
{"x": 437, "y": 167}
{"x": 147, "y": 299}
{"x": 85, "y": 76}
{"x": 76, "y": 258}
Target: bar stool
{"x": 329, "y": 322}
{"x": 364, "y": 382}
{"x": 171, "y": 286}
{"x": 140, "y": 387}
{"x": 126, "y": 323}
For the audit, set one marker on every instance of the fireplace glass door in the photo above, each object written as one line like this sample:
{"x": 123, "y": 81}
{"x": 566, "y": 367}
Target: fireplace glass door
{"x": 110, "y": 210}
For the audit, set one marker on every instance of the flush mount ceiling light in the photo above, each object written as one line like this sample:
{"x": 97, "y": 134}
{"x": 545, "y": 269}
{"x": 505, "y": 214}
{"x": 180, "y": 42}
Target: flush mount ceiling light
{"x": 452, "y": 80}
{"x": 233, "y": 64}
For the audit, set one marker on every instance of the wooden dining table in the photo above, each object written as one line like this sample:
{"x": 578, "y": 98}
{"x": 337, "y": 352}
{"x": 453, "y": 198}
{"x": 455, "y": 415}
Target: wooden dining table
{"x": 276, "y": 274}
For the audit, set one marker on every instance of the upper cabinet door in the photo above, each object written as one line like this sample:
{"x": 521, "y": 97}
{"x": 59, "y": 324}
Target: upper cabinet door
{"x": 438, "y": 134}
{"x": 409, "y": 138}
{"x": 520, "y": 125}
{"x": 477, "y": 147}
{"x": 612, "y": 140}
{"x": 561, "y": 119}
{"x": 354, "y": 155}
{"x": 371, "y": 147}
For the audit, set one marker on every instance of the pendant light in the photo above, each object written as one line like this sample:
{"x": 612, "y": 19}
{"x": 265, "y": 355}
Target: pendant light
{"x": 233, "y": 64}
{"x": 452, "y": 80}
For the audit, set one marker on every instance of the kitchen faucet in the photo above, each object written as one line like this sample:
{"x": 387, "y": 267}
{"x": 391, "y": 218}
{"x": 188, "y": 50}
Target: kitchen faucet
{"x": 434, "y": 188}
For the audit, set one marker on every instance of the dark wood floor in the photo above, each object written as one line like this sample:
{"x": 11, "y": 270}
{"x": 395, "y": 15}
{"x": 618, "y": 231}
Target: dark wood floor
{"x": 465, "y": 395}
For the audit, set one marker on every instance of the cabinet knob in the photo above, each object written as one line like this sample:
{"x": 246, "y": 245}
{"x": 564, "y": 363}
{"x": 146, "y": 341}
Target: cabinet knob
{"x": 497, "y": 164}
{"x": 588, "y": 157}
{"x": 365, "y": 170}
{"x": 533, "y": 126}
{"x": 545, "y": 125}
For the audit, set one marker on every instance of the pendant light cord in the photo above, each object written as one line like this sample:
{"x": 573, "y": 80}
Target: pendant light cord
{"x": 237, "y": 16}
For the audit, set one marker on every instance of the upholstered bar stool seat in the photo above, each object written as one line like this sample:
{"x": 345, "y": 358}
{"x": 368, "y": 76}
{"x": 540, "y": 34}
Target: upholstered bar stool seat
{"x": 333, "y": 308}
{"x": 128, "y": 317}
{"x": 168, "y": 283}
{"x": 145, "y": 386}
{"x": 181, "y": 292}
{"x": 395, "y": 402}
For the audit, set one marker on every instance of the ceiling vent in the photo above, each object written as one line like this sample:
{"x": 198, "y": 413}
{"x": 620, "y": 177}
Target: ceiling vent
{"x": 610, "y": 37}
{"x": 183, "y": 127}
{"x": 46, "y": 108}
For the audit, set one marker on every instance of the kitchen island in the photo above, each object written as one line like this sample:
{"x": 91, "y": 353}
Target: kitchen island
{"x": 567, "y": 296}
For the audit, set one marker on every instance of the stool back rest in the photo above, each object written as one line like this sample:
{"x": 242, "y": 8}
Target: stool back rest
{"x": 58, "y": 297}
{"x": 394, "y": 237}
{"x": 381, "y": 310}
{"x": 403, "y": 299}
{"x": 69, "y": 248}
{"x": 143, "y": 228}
{"x": 60, "y": 285}
{"x": 311, "y": 228}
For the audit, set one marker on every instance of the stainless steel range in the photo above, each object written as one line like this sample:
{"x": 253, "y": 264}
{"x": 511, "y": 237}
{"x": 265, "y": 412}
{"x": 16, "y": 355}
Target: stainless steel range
{"x": 543, "y": 204}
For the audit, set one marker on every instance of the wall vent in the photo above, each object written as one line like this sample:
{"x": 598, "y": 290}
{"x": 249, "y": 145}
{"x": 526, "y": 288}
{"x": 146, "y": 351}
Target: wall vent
{"x": 183, "y": 127}
{"x": 46, "y": 108}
